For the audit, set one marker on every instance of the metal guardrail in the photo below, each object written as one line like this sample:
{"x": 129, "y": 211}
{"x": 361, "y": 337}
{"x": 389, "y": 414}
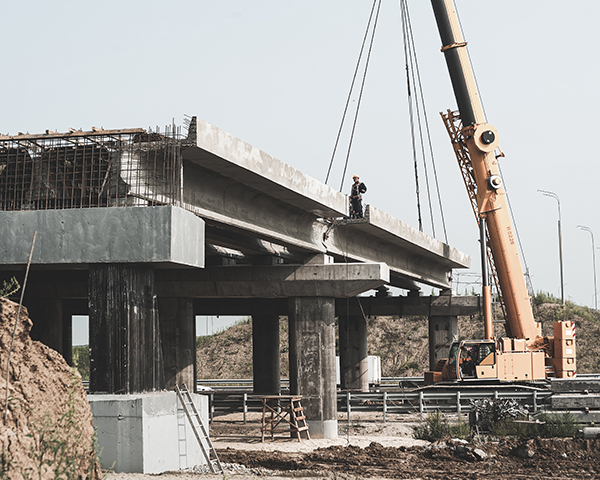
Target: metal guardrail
{"x": 421, "y": 402}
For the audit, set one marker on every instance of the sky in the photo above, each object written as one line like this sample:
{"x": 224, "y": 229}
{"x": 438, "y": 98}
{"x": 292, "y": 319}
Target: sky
{"x": 276, "y": 74}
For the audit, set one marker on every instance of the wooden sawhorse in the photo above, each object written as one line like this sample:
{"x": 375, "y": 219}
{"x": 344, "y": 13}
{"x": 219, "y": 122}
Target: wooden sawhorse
{"x": 283, "y": 410}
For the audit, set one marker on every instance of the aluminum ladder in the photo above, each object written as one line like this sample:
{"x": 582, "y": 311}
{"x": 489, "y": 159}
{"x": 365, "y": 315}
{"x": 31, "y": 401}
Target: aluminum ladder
{"x": 198, "y": 428}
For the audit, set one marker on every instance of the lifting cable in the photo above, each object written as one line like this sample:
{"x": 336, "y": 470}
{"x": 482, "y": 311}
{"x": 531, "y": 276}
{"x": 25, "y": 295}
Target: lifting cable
{"x": 413, "y": 79}
{"x": 512, "y": 216}
{"x": 376, "y": 3}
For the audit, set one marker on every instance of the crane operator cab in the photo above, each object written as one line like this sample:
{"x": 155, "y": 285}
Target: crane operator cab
{"x": 468, "y": 357}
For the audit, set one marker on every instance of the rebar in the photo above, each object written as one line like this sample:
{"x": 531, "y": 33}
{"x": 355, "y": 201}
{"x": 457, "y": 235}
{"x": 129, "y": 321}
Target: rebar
{"x": 100, "y": 168}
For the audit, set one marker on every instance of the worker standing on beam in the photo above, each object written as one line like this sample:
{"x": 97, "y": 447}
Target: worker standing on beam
{"x": 358, "y": 188}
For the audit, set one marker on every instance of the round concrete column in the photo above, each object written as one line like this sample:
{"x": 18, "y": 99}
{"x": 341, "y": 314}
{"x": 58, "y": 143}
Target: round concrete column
{"x": 312, "y": 362}
{"x": 443, "y": 330}
{"x": 265, "y": 354}
{"x": 354, "y": 363}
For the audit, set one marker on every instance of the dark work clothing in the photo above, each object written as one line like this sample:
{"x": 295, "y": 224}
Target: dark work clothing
{"x": 356, "y": 210}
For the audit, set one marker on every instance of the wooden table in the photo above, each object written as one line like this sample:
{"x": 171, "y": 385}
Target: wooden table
{"x": 281, "y": 414}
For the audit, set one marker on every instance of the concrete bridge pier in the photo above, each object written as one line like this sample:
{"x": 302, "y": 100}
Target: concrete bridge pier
{"x": 266, "y": 366}
{"x": 312, "y": 361}
{"x": 48, "y": 322}
{"x": 443, "y": 330}
{"x": 178, "y": 336}
{"x": 125, "y": 346}
{"x": 354, "y": 364}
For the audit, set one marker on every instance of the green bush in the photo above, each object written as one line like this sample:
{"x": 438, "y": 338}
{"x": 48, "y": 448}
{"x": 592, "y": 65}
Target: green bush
{"x": 81, "y": 361}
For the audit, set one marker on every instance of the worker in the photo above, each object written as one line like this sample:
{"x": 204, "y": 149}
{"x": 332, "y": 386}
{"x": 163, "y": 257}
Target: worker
{"x": 358, "y": 188}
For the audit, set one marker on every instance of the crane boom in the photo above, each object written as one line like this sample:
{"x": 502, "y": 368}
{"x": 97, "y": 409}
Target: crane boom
{"x": 481, "y": 140}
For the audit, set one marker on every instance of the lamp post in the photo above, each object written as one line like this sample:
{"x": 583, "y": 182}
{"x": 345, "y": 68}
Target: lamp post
{"x": 588, "y": 229}
{"x": 562, "y": 284}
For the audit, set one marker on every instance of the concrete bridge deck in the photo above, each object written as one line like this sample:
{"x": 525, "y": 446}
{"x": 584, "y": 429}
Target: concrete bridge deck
{"x": 143, "y": 232}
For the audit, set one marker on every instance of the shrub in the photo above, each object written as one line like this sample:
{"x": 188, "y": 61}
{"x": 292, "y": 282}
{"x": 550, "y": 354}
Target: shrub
{"x": 436, "y": 427}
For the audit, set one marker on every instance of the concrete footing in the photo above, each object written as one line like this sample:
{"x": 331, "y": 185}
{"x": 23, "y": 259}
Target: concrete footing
{"x": 146, "y": 433}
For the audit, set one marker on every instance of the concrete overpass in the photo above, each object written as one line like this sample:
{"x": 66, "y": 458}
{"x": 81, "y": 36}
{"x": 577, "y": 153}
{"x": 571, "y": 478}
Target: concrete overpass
{"x": 223, "y": 226}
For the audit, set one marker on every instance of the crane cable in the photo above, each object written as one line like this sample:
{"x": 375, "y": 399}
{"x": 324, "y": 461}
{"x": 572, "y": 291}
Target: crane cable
{"x": 376, "y": 3}
{"x": 413, "y": 77}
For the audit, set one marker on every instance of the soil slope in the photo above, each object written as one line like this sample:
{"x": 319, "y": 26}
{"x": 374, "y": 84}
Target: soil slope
{"x": 402, "y": 343}
{"x": 48, "y": 432}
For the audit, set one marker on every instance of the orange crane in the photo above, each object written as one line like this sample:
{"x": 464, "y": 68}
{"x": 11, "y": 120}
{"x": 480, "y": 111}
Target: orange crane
{"x": 524, "y": 354}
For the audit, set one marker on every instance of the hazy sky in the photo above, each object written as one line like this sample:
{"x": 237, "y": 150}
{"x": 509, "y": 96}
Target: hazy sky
{"x": 276, "y": 74}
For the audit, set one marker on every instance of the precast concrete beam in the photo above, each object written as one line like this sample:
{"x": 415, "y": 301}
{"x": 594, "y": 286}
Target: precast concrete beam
{"x": 154, "y": 235}
{"x": 332, "y": 280}
{"x": 411, "y": 255}
{"x": 237, "y": 188}
{"x": 228, "y": 156}
{"x": 400, "y": 306}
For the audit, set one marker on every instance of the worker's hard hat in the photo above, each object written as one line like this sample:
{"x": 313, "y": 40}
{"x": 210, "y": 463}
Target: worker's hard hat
{"x": 355, "y": 176}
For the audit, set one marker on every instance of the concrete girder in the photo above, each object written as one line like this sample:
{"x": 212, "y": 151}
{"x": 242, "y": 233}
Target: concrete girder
{"x": 443, "y": 305}
{"x": 332, "y": 280}
{"x": 411, "y": 255}
{"x": 231, "y": 157}
{"x": 236, "y": 187}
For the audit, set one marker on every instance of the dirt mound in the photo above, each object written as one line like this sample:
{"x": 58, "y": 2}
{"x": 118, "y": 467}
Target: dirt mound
{"x": 561, "y": 458}
{"x": 48, "y": 432}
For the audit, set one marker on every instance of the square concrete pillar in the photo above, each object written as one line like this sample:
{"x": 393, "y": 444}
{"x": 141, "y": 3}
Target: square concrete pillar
{"x": 47, "y": 317}
{"x": 125, "y": 347}
{"x": 312, "y": 362}
{"x": 443, "y": 331}
{"x": 178, "y": 335}
{"x": 354, "y": 362}
{"x": 266, "y": 368}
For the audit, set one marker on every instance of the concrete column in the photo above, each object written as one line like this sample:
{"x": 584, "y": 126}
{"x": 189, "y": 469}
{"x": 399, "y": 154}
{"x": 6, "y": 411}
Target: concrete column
{"x": 125, "y": 347}
{"x": 354, "y": 364}
{"x": 443, "y": 330}
{"x": 47, "y": 317}
{"x": 312, "y": 361}
{"x": 178, "y": 335}
{"x": 266, "y": 366}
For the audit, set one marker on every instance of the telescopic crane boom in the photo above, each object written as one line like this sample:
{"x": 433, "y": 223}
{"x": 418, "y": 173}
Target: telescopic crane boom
{"x": 526, "y": 355}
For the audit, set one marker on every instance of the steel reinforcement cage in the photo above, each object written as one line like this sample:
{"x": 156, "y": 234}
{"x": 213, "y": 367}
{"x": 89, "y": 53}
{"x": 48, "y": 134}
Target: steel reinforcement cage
{"x": 101, "y": 168}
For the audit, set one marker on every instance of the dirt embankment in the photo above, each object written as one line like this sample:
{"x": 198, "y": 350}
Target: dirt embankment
{"x": 48, "y": 432}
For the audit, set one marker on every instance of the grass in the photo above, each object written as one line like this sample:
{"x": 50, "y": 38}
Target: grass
{"x": 551, "y": 425}
{"x": 436, "y": 427}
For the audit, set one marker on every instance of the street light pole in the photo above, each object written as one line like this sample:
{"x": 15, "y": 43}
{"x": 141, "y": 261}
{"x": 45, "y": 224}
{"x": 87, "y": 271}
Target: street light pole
{"x": 560, "y": 256}
{"x": 588, "y": 229}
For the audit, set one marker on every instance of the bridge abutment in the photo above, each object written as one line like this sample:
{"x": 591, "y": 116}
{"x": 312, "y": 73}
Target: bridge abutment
{"x": 312, "y": 361}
